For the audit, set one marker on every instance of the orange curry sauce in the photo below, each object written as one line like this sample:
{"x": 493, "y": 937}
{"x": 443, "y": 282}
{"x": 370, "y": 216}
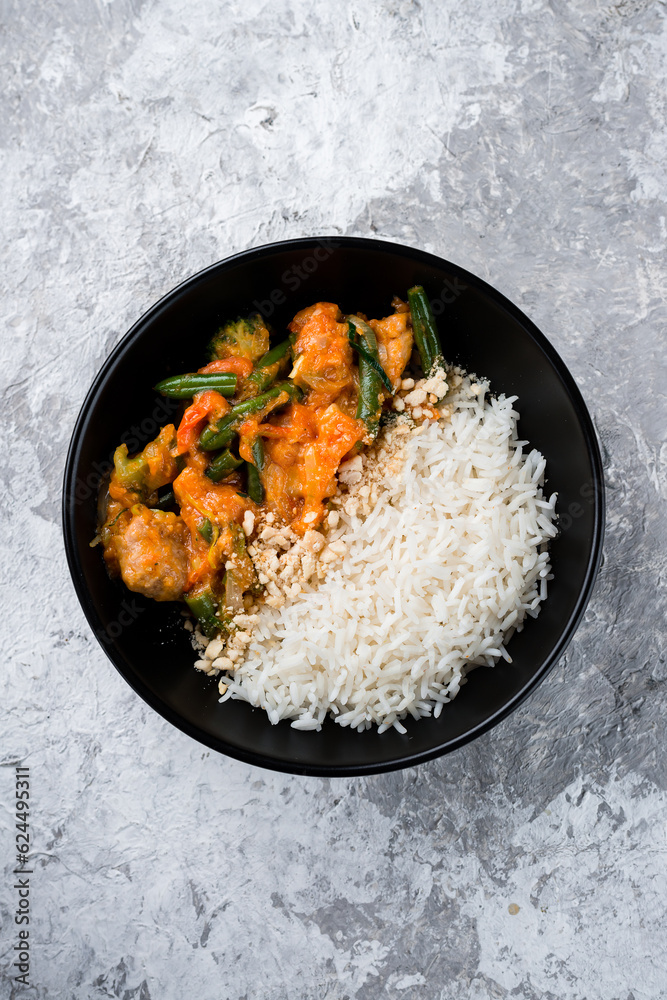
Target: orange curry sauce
{"x": 166, "y": 555}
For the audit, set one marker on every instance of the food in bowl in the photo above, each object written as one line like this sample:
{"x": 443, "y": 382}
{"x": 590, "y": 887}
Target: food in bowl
{"x": 350, "y": 534}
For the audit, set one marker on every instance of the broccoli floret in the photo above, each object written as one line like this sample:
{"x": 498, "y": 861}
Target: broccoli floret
{"x": 241, "y": 338}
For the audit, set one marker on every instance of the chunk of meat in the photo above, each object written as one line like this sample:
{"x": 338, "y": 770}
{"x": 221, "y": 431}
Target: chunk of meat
{"x": 151, "y": 553}
{"x": 319, "y": 461}
{"x": 219, "y": 503}
{"x": 303, "y": 454}
{"x": 394, "y": 336}
{"x": 323, "y": 356}
{"x": 284, "y": 439}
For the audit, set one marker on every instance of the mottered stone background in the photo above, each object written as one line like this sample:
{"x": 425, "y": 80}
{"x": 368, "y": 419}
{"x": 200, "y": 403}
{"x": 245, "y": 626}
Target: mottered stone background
{"x": 145, "y": 139}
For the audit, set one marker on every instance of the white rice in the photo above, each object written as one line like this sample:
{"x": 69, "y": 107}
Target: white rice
{"x": 435, "y": 580}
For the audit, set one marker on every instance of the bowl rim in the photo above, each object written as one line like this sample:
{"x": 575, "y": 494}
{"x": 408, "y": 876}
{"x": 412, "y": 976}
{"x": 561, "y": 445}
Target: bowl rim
{"x": 125, "y": 344}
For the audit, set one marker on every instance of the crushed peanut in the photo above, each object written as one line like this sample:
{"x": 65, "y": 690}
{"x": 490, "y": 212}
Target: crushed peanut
{"x": 248, "y": 523}
{"x": 285, "y": 562}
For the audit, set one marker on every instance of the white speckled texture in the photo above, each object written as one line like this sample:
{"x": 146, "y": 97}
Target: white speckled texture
{"x": 526, "y": 141}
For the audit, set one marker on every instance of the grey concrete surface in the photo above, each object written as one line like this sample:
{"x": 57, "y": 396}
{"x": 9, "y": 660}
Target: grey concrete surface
{"x": 526, "y": 140}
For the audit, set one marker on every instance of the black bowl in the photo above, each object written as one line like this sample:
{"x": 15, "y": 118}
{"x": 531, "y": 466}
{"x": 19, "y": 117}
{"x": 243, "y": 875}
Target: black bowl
{"x": 483, "y": 332}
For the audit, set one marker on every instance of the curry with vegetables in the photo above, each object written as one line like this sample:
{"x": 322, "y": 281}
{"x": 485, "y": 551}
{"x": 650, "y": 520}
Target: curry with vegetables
{"x": 265, "y": 431}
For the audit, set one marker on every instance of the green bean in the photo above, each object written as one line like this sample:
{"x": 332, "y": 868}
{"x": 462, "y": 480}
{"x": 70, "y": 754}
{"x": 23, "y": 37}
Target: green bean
{"x": 371, "y": 355}
{"x": 185, "y": 386}
{"x": 254, "y": 468}
{"x": 203, "y": 606}
{"x": 371, "y": 385}
{"x": 268, "y": 369}
{"x": 205, "y": 529}
{"x": 223, "y": 465}
{"x": 425, "y": 330}
{"x": 222, "y": 434}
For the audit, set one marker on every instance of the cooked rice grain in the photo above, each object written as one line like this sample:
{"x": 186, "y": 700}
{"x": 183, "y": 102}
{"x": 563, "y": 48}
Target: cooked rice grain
{"x": 434, "y": 581}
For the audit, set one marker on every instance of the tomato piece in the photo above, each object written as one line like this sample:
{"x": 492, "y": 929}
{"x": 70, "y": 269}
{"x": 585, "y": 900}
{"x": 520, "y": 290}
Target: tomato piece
{"x": 205, "y": 403}
{"x": 239, "y": 366}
